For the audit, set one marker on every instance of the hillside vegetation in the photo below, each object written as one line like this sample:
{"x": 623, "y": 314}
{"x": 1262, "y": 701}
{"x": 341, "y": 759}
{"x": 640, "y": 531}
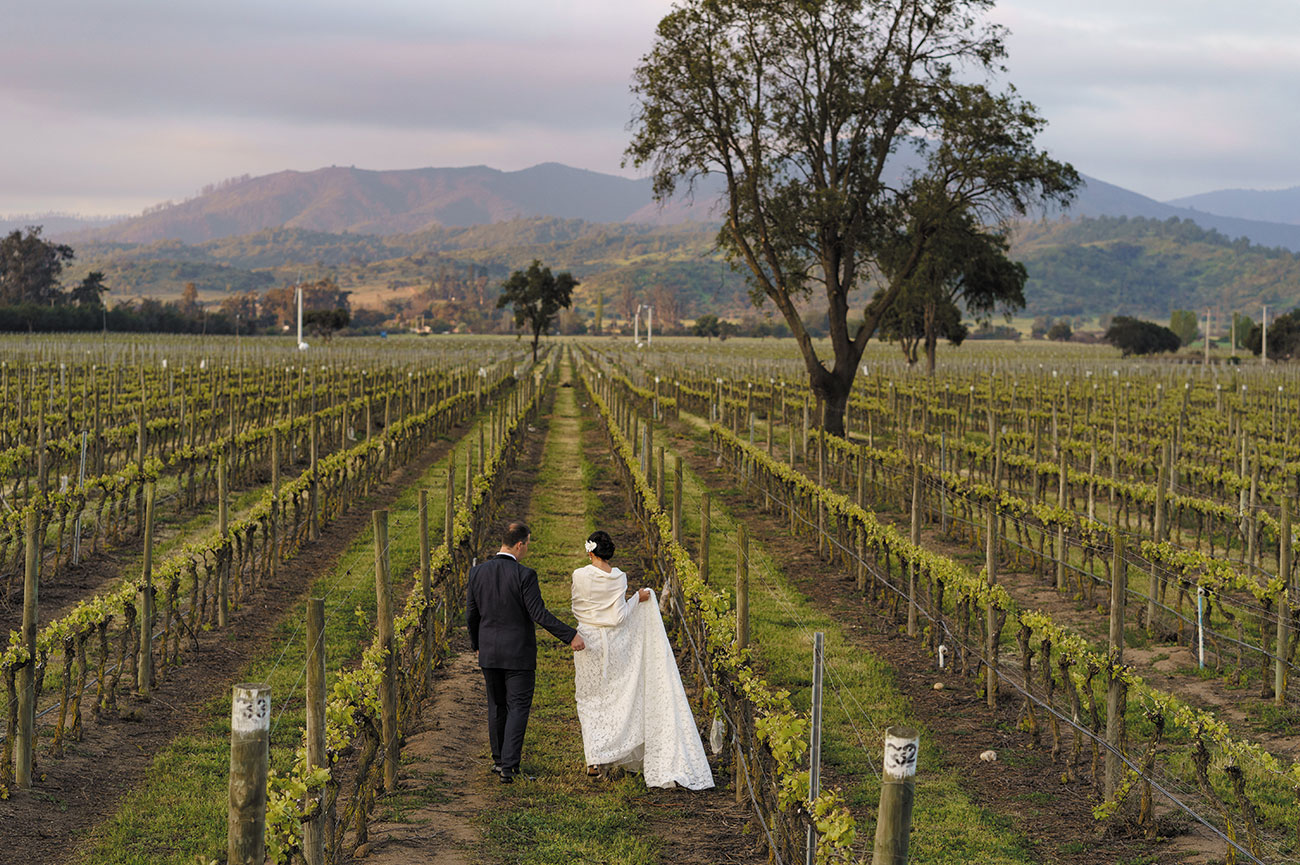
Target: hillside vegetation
{"x": 1148, "y": 267}
{"x": 1090, "y": 266}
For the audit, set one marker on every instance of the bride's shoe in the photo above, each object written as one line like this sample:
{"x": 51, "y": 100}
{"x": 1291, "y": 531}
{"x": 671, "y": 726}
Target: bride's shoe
{"x": 593, "y": 771}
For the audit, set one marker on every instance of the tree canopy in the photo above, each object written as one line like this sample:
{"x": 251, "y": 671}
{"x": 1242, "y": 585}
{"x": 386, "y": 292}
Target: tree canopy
{"x": 1185, "y": 324}
{"x": 1134, "y": 336}
{"x": 963, "y": 265}
{"x": 804, "y": 109}
{"x": 536, "y": 296}
{"x": 1283, "y": 337}
{"x": 30, "y": 268}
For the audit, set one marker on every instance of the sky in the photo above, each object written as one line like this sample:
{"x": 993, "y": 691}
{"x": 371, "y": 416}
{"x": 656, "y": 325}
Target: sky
{"x": 111, "y": 106}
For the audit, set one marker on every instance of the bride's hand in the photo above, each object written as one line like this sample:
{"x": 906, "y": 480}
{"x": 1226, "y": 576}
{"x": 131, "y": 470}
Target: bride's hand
{"x": 643, "y": 595}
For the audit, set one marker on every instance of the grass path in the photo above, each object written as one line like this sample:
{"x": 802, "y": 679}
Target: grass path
{"x": 562, "y": 816}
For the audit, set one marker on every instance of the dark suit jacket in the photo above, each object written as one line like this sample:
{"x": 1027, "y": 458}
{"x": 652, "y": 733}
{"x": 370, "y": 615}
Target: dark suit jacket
{"x": 503, "y": 601}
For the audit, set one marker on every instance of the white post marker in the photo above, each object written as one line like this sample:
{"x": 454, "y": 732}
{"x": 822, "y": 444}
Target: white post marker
{"x": 250, "y": 734}
{"x": 897, "y": 790}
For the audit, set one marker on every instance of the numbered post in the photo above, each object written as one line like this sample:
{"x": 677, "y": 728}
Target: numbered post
{"x": 897, "y": 791}
{"x": 250, "y": 735}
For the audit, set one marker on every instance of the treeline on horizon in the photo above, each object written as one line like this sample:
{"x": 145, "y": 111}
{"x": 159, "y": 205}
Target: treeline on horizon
{"x": 1083, "y": 267}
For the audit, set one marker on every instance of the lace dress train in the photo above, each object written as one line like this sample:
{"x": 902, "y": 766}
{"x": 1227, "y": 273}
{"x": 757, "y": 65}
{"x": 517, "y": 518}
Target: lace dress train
{"x": 632, "y": 704}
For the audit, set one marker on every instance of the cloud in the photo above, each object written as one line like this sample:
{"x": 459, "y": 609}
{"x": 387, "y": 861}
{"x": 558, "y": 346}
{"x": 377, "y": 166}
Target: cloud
{"x": 1166, "y": 98}
{"x": 113, "y": 106}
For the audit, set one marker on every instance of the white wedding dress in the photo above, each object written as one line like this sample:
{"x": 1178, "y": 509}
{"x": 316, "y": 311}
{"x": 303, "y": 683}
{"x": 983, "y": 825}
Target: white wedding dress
{"x": 631, "y": 703}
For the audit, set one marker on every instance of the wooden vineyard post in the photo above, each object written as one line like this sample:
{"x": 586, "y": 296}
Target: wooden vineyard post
{"x": 469, "y": 475}
{"x": 742, "y": 587}
{"x": 991, "y": 568}
{"x": 803, "y": 442}
{"x": 275, "y": 504}
{"x": 704, "y": 536}
{"x": 426, "y": 589}
{"x": 313, "y": 829}
{"x": 449, "y": 505}
{"x": 144, "y": 669}
{"x": 916, "y": 542}
{"x": 25, "y": 735}
{"x": 388, "y": 681}
{"x": 250, "y": 735}
{"x": 1115, "y": 692}
{"x": 313, "y": 490}
{"x": 141, "y": 432}
{"x": 1283, "y": 605}
{"x": 1061, "y": 493}
{"x": 223, "y": 529}
{"x": 659, "y": 476}
{"x": 742, "y": 635}
{"x": 677, "y": 499}
{"x": 897, "y": 793}
{"x": 1158, "y": 535}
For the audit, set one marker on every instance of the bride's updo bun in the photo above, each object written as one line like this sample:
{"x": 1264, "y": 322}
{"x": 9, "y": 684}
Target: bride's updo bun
{"x": 604, "y": 548}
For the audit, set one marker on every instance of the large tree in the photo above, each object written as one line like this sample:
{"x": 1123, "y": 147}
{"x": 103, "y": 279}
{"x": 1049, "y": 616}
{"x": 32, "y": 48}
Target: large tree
{"x": 30, "y": 267}
{"x": 812, "y": 113}
{"x": 536, "y": 296}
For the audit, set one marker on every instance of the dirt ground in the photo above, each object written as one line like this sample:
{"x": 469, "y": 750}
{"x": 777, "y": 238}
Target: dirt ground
{"x": 1025, "y": 786}
{"x": 76, "y": 792}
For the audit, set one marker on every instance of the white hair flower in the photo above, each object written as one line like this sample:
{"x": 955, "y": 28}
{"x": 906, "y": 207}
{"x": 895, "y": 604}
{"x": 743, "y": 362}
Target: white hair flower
{"x": 591, "y": 546}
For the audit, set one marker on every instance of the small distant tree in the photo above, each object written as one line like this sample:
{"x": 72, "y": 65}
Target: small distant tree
{"x": 536, "y": 296}
{"x": 1041, "y": 325}
{"x": 1183, "y": 322}
{"x": 598, "y": 326}
{"x": 1060, "y": 331}
{"x": 89, "y": 292}
{"x": 1242, "y": 325}
{"x": 326, "y": 322}
{"x": 1283, "y": 337}
{"x": 189, "y": 302}
{"x": 1134, "y": 336}
{"x": 707, "y": 326}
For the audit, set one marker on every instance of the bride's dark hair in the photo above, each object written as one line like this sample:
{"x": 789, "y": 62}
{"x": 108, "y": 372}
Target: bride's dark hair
{"x": 604, "y": 545}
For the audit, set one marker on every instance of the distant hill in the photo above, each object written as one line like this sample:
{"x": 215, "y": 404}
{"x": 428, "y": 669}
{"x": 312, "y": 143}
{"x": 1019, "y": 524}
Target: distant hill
{"x": 1099, "y": 198}
{"x": 358, "y": 201}
{"x": 355, "y": 200}
{"x": 1274, "y": 205}
{"x": 1147, "y": 267}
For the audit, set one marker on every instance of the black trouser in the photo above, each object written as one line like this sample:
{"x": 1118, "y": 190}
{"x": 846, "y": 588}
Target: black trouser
{"x": 510, "y": 699}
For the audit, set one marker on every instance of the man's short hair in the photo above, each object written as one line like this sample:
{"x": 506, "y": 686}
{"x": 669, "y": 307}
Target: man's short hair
{"x": 516, "y": 533}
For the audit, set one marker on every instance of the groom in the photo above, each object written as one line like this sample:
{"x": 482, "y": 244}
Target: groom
{"x": 503, "y": 601}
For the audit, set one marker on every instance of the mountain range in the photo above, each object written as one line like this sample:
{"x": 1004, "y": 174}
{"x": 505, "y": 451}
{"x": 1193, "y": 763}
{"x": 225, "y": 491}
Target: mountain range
{"x": 394, "y": 237}
{"x": 352, "y": 200}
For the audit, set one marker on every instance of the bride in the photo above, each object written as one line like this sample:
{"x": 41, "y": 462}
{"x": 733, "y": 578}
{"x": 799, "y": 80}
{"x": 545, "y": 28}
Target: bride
{"x": 631, "y": 703}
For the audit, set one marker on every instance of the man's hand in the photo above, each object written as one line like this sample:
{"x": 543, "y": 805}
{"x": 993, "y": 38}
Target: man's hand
{"x": 643, "y": 595}
{"x": 578, "y": 643}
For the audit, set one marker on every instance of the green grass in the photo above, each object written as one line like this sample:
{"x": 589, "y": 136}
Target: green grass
{"x": 860, "y": 701}
{"x": 178, "y": 812}
{"x": 562, "y": 816}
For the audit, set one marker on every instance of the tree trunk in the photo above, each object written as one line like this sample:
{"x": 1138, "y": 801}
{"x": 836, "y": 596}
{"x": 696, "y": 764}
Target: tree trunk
{"x": 833, "y": 389}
